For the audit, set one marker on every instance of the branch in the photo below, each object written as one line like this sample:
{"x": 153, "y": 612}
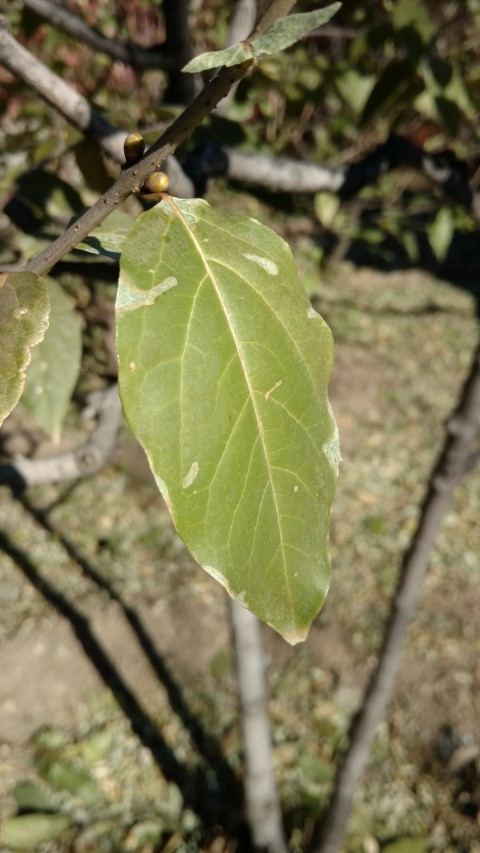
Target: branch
{"x": 131, "y": 54}
{"x": 181, "y": 87}
{"x": 131, "y": 179}
{"x": 443, "y": 169}
{"x": 263, "y": 806}
{"x": 80, "y": 462}
{"x": 242, "y": 21}
{"x": 73, "y": 106}
{"x": 452, "y": 464}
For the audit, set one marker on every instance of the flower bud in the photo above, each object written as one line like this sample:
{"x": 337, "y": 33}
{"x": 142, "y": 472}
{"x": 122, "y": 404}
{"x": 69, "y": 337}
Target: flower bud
{"x": 133, "y": 147}
{"x": 156, "y": 183}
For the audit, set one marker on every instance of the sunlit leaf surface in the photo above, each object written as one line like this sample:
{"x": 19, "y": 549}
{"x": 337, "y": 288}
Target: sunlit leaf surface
{"x": 223, "y": 370}
{"x": 55, "y": 364}
{"x": 278, "y": 36}
{"x": 24, "y": 308}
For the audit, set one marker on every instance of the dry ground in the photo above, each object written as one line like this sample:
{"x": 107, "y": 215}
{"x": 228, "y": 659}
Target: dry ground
{"x": 119, "y": 579}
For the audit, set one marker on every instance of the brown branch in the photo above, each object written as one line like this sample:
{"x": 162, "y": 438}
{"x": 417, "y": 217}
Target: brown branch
{"x": 131, "y": 179}
{"x": 452, "y": 464}
{"x": 74, "y": 107}
{"x": 75, "y": 464}
{"x": 140, "y": 57}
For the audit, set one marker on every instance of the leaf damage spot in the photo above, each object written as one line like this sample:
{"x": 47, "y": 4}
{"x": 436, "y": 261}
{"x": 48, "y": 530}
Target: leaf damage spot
{"x": 19, "y": 313}
{"x": 331, "y": 447}
{"x": 273, "y": 388}
{"x": 311, "y": 314}
{"x": 190, "y": 476}
{"x": 129, "y": 297}
{"x": 132, "y": 365}
{"x": 265, "y": 263}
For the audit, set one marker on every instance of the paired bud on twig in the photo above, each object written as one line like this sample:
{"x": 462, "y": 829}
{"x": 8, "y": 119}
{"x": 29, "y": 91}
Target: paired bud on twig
{"x": 157, "y": 183}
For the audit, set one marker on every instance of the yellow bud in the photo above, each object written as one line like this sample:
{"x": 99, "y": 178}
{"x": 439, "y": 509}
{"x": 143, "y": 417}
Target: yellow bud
{"x": 156, "y": 183}
{"x": 133, "y": 147}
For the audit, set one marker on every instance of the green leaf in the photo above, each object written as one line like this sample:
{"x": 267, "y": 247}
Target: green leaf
{"x": 223, "y": 372}
{"x": 287, "y": 31}
{"x": 29, "y": 796}
{"x": 440, "y": 232}
{"x": 278, "y": 36}
{"x": 234, "y": 55}
{"x": 55, "y": 364}
{"x": 326, "y": 208}
{"x": 26, "y": 832}
{"x": 108, "y": 238}
{"x": 64, "y": 776}
{"x": 24, "y": 308}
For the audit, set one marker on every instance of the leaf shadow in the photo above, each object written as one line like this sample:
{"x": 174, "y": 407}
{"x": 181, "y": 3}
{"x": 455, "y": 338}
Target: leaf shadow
{"x": 212, "y": 789}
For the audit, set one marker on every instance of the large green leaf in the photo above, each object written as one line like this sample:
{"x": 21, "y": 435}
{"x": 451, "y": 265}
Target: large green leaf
{"x": 24, "y": 308}
{"x": 223, "y": 371}
{"x": 55, "y": 364}
{"x": 278, "y": 36}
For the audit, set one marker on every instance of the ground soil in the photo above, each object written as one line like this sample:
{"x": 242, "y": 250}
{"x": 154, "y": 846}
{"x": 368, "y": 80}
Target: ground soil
{"x": 125, "y": 576}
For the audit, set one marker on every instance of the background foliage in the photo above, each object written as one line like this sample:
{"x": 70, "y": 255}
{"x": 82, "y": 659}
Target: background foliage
{"x": 382, "y": 66}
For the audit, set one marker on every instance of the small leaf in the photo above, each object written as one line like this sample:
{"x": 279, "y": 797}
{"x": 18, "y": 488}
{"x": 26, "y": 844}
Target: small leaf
{"x": 55, "y": 364}
{"x": 223, "y": 370}
{"x": 26, "y": 832}
{"x": 326, "y": 208}
{"x": 440, "y": 233}
{"x": 24, "y": 308}
{"x": 287, "y": 31}
{"x": 278, "y": 36}
{"x": 108, "y": 238}
{"x": 64, "y": 776}
{"x": 355, "y": 88}
{"x": 31, "y": 797}
{"x": 234, "y": 55}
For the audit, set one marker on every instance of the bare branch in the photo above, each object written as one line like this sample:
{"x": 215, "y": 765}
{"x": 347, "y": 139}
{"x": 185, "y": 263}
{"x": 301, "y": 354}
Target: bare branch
{"x": 442, "y": 169}
{"x": 58, "y": 94}
{"x": 80, "y": 462}
{"x": 140, "y": 57}
{"x": 131, "y": 179}
{"x": 263, "y": 806}
{"x": 452, "y": 464}
{"x": 74, "y": 107}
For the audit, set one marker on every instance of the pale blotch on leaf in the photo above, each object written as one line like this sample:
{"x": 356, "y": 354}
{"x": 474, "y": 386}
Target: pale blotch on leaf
{"x": 311, "y": 314}
{"x": 190, "y": 476}
{"x": 273, "y": 388}
{"x": 331, "y": 448}
{"x": 130, "y": 297}
{"x": 265, "y": 263}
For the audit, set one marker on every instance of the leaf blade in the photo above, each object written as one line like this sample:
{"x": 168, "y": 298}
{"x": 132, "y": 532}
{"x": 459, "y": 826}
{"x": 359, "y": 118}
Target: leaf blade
{"x": 223, "y": 379}
{"x": 281, "y": 34}
{"x": 55, "y": 364}
{"x": 24, "y": 310}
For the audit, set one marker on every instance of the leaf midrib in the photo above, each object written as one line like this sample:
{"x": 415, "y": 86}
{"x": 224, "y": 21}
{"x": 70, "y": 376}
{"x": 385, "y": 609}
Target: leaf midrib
{"x": 213, "y": 280}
